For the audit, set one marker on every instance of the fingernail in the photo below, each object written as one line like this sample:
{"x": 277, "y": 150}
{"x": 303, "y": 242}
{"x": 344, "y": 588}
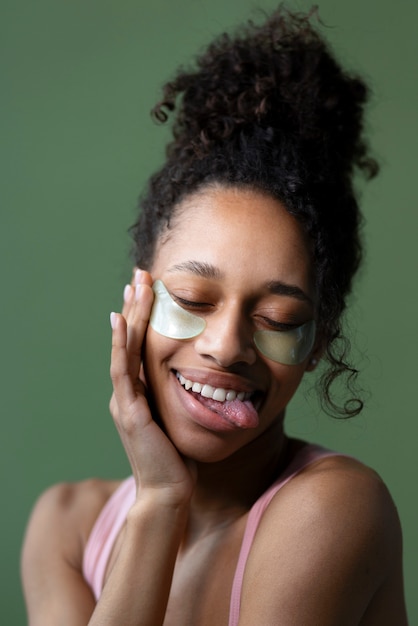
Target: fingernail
{"x": 113, "y": 320}
{"x": 127, "y": 293}
{"x": 138, "y": 275}
{"x": 138, "y": 291}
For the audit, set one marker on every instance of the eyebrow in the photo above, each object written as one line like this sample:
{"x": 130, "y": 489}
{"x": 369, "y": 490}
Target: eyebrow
{"x": 207, "y": 270}
{"x": 284, "y": 289}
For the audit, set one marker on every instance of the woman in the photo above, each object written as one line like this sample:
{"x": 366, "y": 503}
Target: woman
{"x": 247, "y": 242}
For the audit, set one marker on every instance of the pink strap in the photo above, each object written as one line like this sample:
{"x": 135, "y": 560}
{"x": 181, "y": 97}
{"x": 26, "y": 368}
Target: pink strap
{"x": 304, "y": 457}
{"x": 103, "y": 536}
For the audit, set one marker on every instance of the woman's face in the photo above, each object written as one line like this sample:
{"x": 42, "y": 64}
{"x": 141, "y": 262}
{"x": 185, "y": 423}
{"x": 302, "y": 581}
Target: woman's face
{"x": 237, "y": 259}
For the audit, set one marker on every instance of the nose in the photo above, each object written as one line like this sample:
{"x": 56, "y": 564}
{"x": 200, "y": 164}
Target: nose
{"x": 227, "y": 338}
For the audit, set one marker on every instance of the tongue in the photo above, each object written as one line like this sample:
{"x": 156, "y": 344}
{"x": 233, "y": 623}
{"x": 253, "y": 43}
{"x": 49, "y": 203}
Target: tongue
{"x": 241, "y": 413}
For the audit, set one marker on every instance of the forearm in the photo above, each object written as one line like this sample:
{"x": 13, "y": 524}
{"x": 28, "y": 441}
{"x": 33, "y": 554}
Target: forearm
{"x": 137, "y": 589}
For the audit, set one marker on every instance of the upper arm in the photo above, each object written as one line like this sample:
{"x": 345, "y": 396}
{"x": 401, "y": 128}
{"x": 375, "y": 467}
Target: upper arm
{"x": 54, "y": 588}
{"x": 324, "y": 549}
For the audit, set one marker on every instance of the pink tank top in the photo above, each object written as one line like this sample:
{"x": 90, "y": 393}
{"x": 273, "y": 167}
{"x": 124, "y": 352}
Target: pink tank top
{"x": 113, "y": 515}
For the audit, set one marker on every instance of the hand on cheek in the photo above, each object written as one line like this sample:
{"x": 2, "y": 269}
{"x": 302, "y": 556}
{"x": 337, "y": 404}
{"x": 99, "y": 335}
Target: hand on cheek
{"x": 129, "y": 329}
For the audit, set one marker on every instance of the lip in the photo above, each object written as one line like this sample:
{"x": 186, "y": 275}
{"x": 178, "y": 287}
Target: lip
{"x": 200, "y": 414}
{"x": 218, "y": 379}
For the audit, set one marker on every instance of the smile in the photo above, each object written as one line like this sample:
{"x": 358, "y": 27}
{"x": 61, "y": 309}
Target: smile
{"x": 214, "y": 393}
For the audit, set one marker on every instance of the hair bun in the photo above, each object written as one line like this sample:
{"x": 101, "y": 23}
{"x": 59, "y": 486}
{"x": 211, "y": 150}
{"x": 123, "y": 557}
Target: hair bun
{"x": 280, "y": 77}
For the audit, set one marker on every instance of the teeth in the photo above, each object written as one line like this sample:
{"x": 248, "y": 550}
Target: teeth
{"x": 215, "y": 393}
{"x": 207, "y": 391}
{"x": 219, "y": 394}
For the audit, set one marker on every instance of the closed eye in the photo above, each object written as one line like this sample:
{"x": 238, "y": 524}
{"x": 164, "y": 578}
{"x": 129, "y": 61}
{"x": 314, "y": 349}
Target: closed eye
{"x": 279, "y": 326}
{"x": 190, "y": 304}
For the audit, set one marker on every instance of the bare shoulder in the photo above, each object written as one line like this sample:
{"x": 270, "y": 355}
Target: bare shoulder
{"x": 53, "y": 548}
{"x": 68, "y": 511}
{"x": 338, "y": 488}
{"x": 330, "y": 542}
{"x": 345, "y": 504}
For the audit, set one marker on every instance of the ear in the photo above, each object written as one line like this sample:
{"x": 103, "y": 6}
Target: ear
{"x": 315, "y": 356}
{"x": 312, "y": 363}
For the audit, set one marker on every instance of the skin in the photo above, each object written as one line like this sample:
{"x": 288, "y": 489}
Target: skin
{"x": 328, "y": 549}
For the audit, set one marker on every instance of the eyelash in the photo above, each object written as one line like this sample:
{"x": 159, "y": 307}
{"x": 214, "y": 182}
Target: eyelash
{"x": 273, "y": 324}
{"x": 279, "y": 326}
{"x": 190, "y": 304}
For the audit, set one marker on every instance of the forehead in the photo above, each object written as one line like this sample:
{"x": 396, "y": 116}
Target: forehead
{"x": 234, "y": 229}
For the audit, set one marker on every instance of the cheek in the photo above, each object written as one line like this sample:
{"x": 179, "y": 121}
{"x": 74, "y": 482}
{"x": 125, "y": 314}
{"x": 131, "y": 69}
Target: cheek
{"x": 158, "y": 350}
{"x": 156, "y": 347}
{"x": 287, "y": 378}
{"x": 150, "y": 357}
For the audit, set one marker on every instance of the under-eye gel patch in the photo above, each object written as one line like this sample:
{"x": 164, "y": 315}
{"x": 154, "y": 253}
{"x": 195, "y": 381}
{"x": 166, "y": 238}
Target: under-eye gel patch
{"x": 169, "y": 319}
{"x": 289, "y": 347}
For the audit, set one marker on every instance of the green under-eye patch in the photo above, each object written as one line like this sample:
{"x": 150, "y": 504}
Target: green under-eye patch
{"x": 170, "y": 319}
{"x": 289, "y": 347}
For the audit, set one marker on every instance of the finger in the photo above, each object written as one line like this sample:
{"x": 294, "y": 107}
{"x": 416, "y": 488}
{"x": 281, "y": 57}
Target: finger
{"x": 138, "y": 323}
{"x": 127, "y": 300}
{"x": 128, "y": 294}
{"x": 123, "y": 387}
{"x": 113, "y": 406}
{"x": 138, "y": 277}
{"x": 142, "y": 277}
{"x": 129, "y": 303}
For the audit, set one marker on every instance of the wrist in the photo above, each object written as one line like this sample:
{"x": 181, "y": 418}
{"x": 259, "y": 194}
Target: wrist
{"x": 159, "y": 504}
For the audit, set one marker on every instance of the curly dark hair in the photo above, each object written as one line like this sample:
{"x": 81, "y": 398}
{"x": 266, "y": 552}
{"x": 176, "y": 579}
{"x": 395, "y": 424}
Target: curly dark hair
{"x": 271, "y": 109}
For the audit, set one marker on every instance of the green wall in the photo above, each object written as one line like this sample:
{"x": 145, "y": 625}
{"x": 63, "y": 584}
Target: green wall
{"x": 78, "y": 79}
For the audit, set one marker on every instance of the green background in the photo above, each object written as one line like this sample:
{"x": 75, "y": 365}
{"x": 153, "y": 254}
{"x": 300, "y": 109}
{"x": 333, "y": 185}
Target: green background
{"x": 78, "y": 79}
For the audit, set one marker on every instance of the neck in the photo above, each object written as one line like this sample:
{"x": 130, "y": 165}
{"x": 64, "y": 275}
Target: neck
{"x": 226, "y": 490}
